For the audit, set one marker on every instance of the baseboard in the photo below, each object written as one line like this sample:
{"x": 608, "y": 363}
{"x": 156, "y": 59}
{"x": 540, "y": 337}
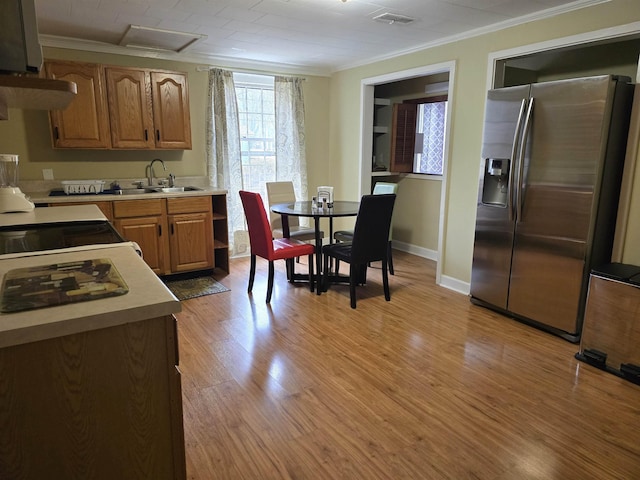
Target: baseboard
{"x": 415, "y": 250}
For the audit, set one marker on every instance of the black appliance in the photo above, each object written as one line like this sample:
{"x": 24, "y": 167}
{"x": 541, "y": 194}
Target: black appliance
{"x": 51, "y": 236}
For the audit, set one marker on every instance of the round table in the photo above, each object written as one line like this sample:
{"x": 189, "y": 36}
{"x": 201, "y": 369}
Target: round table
{"x": 306, "y": 209}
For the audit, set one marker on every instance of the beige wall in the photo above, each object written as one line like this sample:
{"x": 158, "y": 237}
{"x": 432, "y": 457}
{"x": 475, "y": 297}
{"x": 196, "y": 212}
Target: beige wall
{"x": 26, "y": 133}
{"x": 333, "y": 131}
{"x": 470, "y": 84}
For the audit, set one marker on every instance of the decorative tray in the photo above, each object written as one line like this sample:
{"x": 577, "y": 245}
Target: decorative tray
{"x": 59, "y": 284}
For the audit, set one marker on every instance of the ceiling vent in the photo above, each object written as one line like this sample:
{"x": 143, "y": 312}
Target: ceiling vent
{"x": 158, "y": 39}
{"x": 392, "y": 18}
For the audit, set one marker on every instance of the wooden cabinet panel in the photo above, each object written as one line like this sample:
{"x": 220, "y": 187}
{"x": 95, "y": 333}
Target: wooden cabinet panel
{"x": 403, "y": 137}
{"x": 149, "y": 233}
{"x": 188, "y": 204}
{"x": 137, "y": 208}
{"x": 121, "y": 108}
{"x": 171, "y": 110}
{"x": 220, "y": 232}
{"x": 85, "y": 122}
{"x": 130, "y": 110}
{"x": 191, "y": 241}
{"x": 175, "y": 234}
{"x": 102, "y": 404}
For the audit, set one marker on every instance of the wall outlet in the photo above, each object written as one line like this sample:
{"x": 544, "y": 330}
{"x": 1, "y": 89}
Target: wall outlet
{"x": 47, "y": 173}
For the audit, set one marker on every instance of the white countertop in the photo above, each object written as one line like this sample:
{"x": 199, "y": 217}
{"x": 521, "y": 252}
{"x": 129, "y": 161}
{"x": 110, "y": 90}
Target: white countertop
{"x": 147, "y": 298}
{"x": 70, "y": 213}
{"x": 43, "y": 196}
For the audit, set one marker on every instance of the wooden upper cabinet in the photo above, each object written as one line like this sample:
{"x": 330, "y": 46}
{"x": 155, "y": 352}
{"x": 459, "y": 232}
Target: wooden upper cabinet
{"x": 171, "y": 110}
{"x": 85, "y": 122}
{"x": 130, "y": 110}
{"x": 403, "y": 137}
{"x": 122, "y": 108}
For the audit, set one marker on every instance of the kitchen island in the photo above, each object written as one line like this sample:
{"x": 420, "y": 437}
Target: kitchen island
{"x": 91, "y": 389}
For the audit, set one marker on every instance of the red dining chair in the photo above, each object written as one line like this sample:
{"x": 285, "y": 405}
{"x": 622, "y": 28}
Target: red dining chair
{"x": 264, "y": 245}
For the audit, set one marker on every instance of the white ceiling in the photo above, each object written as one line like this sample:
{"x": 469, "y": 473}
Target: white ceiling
{"x": 311, "y": 35}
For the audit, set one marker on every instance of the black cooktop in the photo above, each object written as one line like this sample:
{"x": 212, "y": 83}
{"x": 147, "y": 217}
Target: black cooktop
{"x": 50, "y": 236}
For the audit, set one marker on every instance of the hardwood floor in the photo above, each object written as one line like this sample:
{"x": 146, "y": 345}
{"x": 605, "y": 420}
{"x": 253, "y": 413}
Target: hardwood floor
{"x": 427, "y": 386}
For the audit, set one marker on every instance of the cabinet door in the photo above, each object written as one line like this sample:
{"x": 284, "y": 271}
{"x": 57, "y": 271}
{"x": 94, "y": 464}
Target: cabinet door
{"x": 84, "y": 123}
{"x": 149, "y": 233}
{"x": 171, "y": 110}
{"x": 130, "y": 112}
{"x": 191, "y": 241}
{"x": 403, "y": 137}
{"x": 102, "y": 404}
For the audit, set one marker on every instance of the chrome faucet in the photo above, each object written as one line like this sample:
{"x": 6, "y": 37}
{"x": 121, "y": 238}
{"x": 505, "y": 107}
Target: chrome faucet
{"x": 149, "y": 170}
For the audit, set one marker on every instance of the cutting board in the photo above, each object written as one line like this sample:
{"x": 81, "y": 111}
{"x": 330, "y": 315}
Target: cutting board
{"x": 59, "y": 284}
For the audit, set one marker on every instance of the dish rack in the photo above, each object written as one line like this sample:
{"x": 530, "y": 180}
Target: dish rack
{"x": 82, "y": 186}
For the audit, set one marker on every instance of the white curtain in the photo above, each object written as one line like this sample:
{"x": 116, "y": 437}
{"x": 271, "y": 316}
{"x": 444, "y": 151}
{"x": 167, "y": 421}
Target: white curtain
{"x": 224, "y": 162}
{"x": 291, "y": 162}
{"x": 224, "y": 159}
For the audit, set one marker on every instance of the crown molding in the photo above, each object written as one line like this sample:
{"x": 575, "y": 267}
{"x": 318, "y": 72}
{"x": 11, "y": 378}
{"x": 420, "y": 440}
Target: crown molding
{"x": 496, "y": 27}
{"x": 323, "y": 71}
{"x": 257, "y": 66}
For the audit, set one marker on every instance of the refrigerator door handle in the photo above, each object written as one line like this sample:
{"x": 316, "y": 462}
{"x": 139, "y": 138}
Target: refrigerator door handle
{"x": 514, "y": 154}
{"x": 523, "y": 147}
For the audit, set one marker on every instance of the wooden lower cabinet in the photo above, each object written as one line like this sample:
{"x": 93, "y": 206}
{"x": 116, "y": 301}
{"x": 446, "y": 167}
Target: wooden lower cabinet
{"x": 191, "y": 241}
{"x": 148, "y": 233}
{"x": 96, "y": 405}
{"x": 176, "y": 234}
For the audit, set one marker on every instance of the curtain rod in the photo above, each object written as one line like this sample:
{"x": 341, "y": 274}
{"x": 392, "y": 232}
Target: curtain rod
{"x": 206, "y": 68}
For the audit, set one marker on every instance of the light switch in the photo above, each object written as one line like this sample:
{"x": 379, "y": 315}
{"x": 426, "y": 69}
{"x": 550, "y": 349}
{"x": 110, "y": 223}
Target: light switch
{"x": 47, "y": 173}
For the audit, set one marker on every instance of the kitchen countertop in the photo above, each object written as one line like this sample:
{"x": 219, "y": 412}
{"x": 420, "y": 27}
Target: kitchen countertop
{"x": 71, "y": 213}
{"x": 43, "y": 196}
{"x": 147, "y": 298}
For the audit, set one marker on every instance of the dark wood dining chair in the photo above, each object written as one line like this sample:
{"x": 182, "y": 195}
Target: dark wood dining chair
{"x": 347, "y": 235}
{"x": 369, "y": 243}
{"x": 263, "y": 244}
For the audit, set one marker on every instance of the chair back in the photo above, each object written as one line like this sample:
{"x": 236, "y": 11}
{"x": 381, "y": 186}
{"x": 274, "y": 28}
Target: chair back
{"x": 281, "y": 192}
{"x": 371, "y": 232}
{"x": 260, "y": 236}
{"x": 385, "y": 187}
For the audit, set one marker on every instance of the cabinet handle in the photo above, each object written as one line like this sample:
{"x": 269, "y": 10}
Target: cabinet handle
{"x": 56, "y": 133}
{"x": 172, "y": 231}
{"x": 158, "y": 135}
{"x": 146, "y": 135}
{"x": 159, "y": 230}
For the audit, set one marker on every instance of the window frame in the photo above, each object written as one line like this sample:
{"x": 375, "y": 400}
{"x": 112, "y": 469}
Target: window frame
{"x": 416, "y": 102}
{"x": 264, "y": 156}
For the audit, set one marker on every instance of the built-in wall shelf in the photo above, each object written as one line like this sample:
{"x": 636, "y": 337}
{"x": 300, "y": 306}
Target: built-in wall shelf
{"x": 380, "y": 129}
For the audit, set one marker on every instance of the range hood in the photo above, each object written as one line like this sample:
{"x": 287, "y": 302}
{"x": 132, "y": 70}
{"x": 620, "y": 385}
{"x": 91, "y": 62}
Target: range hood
{"x": 30, "y": 92}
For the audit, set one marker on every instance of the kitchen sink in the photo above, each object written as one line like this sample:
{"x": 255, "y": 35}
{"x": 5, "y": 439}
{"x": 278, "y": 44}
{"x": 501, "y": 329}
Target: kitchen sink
{"x": 131, "y": 191}
{"x": 172, "y": 189}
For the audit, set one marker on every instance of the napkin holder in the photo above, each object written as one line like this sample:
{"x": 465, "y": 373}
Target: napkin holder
{"x": 325, "y": 193}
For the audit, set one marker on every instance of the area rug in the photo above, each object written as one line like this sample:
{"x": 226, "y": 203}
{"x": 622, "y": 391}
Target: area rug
{"x": 195, "y": 287}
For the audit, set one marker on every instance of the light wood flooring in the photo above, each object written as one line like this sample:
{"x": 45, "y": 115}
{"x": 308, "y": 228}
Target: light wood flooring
{"x": 427, "y": 386}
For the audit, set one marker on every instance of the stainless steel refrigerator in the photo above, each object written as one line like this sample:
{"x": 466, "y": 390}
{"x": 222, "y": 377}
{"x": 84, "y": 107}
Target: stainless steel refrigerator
{"x": 552, "y": 159}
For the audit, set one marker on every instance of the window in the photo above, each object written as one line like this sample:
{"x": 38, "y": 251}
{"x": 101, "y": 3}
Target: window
{"x": 431, "y": 121}
{"x": 256, "y": 118}
{"x": 418, "y": 133}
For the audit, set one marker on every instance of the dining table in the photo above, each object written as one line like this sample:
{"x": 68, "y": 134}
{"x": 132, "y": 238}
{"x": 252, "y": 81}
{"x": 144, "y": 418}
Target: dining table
{"x": 309, "y": 210}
